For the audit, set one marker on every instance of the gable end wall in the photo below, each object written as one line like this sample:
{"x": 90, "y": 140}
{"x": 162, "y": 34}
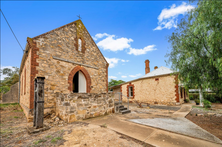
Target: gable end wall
{"x": 62, "y": 44}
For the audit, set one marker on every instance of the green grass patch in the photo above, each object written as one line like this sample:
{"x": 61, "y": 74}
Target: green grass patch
{"x": 48, "y": 136}
{"x": 103, "y": 126}
{"x": 16, "y": 117}
{"x": 200, "y": 108}
{"x": 5, "y": 131}
{"x": 18, "y": 110}
{"x": 8, "y": 105}
{"x": 39, "y": 141}
{"x": 54, "y": 140}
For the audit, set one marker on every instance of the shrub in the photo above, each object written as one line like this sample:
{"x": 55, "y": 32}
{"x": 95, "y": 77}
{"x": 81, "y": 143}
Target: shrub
{"x": 194, "y": 95}
{"x": 210, "y": 97}
{"x": 186, "y": 100}
{"x": 207, "y": 104}
{"x": 197, "y": 102}
{"x": 191, "y": 97}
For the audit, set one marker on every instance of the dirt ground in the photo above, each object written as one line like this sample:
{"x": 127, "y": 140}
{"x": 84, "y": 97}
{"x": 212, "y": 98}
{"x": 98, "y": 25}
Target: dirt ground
{"x": 210, "y": 120}
{"x": 78, "y": 134}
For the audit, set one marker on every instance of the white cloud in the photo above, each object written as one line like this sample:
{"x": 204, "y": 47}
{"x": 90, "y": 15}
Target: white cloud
{"x": 111, "y": 42}
{"x": 100, "y": 35}
{"x": 2, "y": 67}
{"x": 114, "y": 61}
{"x": 142, "y": 51}
{"x": 134, "y": 76}
{"x": 125, "y": 60}
{"x": 168, "y": 17}
{"x": 124, "y": 76}
{"x": 112, "y": 77}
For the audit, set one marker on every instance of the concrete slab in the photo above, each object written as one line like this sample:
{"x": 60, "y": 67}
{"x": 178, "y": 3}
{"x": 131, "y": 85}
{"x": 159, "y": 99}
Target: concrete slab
{"x": 130, "y": 129}
{"x": 178, "y": 125}
{"x": 183, "y": 111}
{"x": 166, "y": 139}
{"x": 32, "y": 130}
{"x": 148, "y": 134}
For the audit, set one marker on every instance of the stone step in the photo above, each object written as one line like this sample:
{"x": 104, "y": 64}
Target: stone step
{"x": 117, "y": 102}
{"x": 126, "y": 111}
{"x": 121, "y": 106}
{"x": 122, "y": 109}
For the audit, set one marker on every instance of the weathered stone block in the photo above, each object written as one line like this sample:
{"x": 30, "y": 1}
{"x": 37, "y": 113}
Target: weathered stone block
{"x": 81, "y": 112}
{"x": 97, "y": 114}
{"x": 66, "y": 104}
{"x": 72, "y": 118}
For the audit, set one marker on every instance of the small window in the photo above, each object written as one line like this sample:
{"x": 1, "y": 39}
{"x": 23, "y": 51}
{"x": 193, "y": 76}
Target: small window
{"x": 130, "y": 91}
{"x": 156, "y": 79}
{"x": 79, "y": 45}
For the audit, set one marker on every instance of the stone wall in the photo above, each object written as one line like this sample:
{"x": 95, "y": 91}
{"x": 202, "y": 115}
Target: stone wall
{"x": 154, "y": 90}
{"x": 116, "y": 93}
{"x": 25, "y": 81}
{"x": 12, "y": 95}
{"x": 58, "y": 56}
{"x": 78, "y": 106}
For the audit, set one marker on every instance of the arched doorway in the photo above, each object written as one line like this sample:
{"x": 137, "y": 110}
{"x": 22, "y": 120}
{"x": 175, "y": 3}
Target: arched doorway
{"x": 79, "y": 75}
{"x": 79, "y": 83}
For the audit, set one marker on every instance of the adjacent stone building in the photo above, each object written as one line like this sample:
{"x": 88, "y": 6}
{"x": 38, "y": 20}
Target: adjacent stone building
{"x": 12, "y": 95}
{"x": 160, "y": 86}
{"x": 69, "y": 60}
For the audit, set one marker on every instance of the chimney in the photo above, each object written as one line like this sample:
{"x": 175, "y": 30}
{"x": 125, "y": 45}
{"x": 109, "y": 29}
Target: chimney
{"x": 147, "y": 66}
{"x": 155, "y": 67}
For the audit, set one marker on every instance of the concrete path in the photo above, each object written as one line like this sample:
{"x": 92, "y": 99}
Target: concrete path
{"x": 178, "y": 125}
{"x": 183, "y": 111}
{"x": 150, "y": 135}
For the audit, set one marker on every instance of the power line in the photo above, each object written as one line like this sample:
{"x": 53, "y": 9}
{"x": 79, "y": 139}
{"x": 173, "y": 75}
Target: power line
{"x": 11, "y": 30}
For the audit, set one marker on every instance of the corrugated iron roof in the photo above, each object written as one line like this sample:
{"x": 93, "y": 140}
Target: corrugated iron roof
{"x": 159, "y": 71}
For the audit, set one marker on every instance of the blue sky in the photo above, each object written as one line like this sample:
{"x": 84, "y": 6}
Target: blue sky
{"x": 127, "y": 33}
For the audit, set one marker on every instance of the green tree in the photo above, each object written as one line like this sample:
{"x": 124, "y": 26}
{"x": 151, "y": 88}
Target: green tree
{"x": 197, "y": 46}
{"x": 12, "y": 78}
{"x": 115, "y": 82}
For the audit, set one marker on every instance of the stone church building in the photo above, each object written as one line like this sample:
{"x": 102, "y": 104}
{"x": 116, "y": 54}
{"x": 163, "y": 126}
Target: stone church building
{"x": 160, "y": 86}
{"x": 68, "y": 59}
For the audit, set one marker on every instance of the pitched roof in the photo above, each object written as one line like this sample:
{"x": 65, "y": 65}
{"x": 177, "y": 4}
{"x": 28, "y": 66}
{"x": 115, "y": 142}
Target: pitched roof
{"x": 159, "y": 71}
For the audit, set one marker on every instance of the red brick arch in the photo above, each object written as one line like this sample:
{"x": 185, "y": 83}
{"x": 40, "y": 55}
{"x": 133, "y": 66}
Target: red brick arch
{"x": 86, "y": 74}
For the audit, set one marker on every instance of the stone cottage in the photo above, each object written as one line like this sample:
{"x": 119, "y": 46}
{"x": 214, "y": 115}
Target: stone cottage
{"x": 157, "y": 87}
{"x": 70, "y": 62}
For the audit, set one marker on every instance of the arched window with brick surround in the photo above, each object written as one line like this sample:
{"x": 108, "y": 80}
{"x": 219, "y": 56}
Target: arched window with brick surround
{"x": 77, "y": 75}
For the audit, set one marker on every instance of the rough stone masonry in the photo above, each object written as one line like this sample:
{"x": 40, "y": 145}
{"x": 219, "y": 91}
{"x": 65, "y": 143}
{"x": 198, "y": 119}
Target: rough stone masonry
{"x": 78, "y": 106}
{"x": 56, "y": 56}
